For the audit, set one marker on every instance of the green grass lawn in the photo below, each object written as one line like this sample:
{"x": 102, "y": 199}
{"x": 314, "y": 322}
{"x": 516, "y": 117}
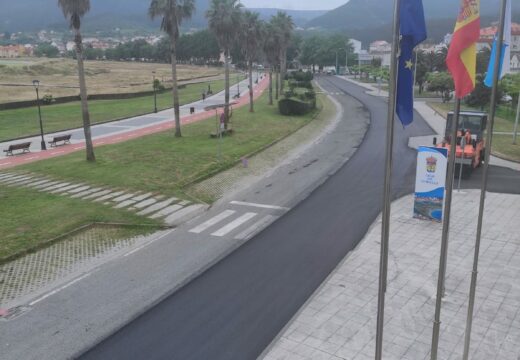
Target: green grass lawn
{"x": 503, "y": 147}
{"x": 502, "y": 144}
{"x": 159, "y": 163}
{"x": 30, "y": 218}
{"x": 504, "y": 121}
{"x": 24, "y": 122}
{"x": 164, "y": 164}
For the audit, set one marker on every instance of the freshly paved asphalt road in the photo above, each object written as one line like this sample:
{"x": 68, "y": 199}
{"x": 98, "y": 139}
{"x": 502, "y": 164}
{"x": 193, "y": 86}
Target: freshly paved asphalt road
{"x": 234, "y": 310}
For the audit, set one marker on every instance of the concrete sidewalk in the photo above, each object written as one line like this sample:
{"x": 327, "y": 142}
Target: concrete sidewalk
{"x": 126, "y": 129}
{"x": 339, "y": 321}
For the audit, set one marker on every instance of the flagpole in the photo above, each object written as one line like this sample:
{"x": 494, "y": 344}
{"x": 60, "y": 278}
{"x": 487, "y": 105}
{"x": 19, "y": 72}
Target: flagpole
{"x": 445, "y": 230}
{"x": 415, "y": 71}
{"x": 515, "y": 130}
{"x": 385, "y": 229}
{"x": 494, "y": 94}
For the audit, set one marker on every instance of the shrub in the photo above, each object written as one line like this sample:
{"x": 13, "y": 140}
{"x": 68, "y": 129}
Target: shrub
{"x": 47, "y": 99}
{"x": 301, "y": 84}
{"x": 302, "y": 76}
{"x": 295, "y": 107}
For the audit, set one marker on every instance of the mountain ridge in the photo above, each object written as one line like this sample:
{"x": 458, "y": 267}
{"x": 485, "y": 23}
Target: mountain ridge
{"x": 33, "y": 15}
{"x": 354, "y": 16}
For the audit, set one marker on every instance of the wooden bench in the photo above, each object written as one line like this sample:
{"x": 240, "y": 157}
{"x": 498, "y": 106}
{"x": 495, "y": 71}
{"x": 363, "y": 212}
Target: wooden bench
{"x": 24, "y": 147}
{"x": 60, "y": 138}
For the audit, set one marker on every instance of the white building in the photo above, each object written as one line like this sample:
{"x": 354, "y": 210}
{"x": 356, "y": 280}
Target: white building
{"x": 356, "y": 44}
{"x": 515, "y": 63}
{"x": 381, "y": 50}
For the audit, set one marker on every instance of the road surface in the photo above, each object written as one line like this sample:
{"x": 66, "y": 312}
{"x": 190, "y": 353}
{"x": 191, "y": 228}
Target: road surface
{"x": 236, "y": 308}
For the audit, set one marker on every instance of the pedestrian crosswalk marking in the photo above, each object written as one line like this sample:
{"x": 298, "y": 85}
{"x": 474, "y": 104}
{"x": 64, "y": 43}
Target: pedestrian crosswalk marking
{"x": 213, "y": 221}
{"x": 234, "y": 224}
{"x": 256, "y": 227}
{"x": 262, "y": 206}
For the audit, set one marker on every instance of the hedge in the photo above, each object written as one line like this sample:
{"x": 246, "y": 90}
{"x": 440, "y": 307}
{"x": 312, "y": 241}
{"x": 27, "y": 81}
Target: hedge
{"x": 293, "y": 106}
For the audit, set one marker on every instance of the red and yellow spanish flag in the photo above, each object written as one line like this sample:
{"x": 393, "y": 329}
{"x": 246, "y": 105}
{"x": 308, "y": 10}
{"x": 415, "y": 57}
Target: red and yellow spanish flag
{"x": 462, "y": 54}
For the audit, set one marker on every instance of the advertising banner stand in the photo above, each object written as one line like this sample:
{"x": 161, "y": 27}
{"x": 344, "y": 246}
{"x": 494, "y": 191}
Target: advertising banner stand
{"x": 430, "y": 183}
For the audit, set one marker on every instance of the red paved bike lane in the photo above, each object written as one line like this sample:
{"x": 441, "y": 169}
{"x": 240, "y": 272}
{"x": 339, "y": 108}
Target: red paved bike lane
{"x": 13, "y": 161}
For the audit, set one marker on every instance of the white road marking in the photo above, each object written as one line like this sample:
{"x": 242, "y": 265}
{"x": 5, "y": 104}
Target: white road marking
{"x": 60, "y": 289}
{"x": 148, "y": 243}
{"x": 213, "y": 221}
{"x": 274, "y": 207}
{"x": 56, "y": 152}
{"x": 234, "y": 224}
{"x": 256, "y": 227}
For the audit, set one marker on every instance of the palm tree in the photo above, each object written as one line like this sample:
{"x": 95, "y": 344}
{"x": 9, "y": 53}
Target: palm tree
{"x": 173, "y": 12}
{"x": 224, "y": 19}
{"x": 251, "y": 37}
{"x": 74, "y": 10}
{"x": 284, "y": 26}
{"x": 272, "y": 55}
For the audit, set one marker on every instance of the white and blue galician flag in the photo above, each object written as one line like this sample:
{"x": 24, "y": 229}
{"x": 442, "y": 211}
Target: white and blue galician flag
{"x": 505, "y": 59}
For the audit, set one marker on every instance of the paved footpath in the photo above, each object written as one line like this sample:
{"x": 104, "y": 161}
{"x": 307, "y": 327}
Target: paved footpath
{"x": 127, "y": 129}
{"x": 339, "y": 321}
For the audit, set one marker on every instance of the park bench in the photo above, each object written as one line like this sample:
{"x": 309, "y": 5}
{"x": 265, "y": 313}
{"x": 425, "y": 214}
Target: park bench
{"x": 24, "y": 147}
{"x": 60, "y": 138}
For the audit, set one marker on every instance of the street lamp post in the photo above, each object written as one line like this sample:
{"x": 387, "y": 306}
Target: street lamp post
{"x": 346, "y": 61}
{"x": 154, "y": 93}
{"x": 36, "y": 84}
{"x": 337, "y": 65}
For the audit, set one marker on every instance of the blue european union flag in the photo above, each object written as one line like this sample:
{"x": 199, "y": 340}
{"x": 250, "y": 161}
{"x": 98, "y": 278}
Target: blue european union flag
{"x": 413, "y": 32}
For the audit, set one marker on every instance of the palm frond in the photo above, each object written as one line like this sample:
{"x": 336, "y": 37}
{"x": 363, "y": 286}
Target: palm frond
{"x": 74, "y": 10}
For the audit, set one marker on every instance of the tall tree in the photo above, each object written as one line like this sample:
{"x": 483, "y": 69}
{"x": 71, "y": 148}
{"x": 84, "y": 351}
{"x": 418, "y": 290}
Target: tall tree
{"x": 224, "y": 18}
{"x": 251, "y": 37}
{"x": 173, "y": 12}
{"x": 74, "y": 10}
{"x": 272, "y": 55}
{"x": 284, "y": 27}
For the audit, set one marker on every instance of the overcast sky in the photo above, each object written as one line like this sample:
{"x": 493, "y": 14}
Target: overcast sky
{"x": 295, "y": 4}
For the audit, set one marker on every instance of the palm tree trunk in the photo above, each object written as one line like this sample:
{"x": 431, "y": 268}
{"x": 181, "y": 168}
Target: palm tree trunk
{"x": 283, "y": 65}
{"x": 226, "y": 98}
{"x": 84, "y": 97}
{"x": 270, "y": 85}
{"x": 175, "y": 89}
{"x": 277, "y": 84}
{"x": 251, "y": 106}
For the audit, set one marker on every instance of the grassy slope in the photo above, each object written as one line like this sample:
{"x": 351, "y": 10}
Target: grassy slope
{"x": 162, "y": 163}
{"x": 30, "y": 217}
{"x": 24, "y": 122}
